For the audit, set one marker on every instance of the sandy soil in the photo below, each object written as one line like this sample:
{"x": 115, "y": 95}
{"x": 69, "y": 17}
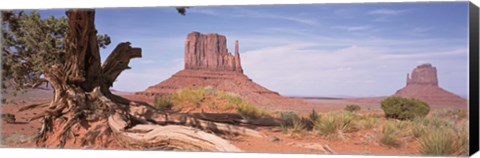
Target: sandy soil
{"x": 18, "y": 134}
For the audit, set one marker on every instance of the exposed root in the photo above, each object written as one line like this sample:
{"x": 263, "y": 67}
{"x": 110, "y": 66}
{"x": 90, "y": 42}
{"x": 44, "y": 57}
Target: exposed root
{"x": 149, "y": 114}
{"x": 46, "y": 128}
{"x": 32, "y": 106}
{"x": 171, "y": 137}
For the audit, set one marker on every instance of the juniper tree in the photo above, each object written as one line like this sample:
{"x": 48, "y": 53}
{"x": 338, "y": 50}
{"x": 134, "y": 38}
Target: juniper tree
{"x": 83, "y": 111}
{"x": 31, "y": 45}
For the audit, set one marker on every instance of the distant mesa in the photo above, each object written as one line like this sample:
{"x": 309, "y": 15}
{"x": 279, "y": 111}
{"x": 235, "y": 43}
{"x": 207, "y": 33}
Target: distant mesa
{"x": 423, "y": 84}
{"x": 208, "y": 63}
{"x": 424, "y": 74}
{"x": 209, "y": 52}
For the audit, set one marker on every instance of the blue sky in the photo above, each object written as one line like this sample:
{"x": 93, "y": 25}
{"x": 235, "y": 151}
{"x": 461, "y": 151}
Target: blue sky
{"x": 302, "y": 50}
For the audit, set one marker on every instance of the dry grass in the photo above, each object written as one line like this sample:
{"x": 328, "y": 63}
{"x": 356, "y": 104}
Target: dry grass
{"x": 389, "y": 135}
{"x": 211, "y": 100}
{"x": 185, "y": 96}
{"x": 438, "y": 142}
{"x": 163, "y": 102}
{"x": 336, "y": 124}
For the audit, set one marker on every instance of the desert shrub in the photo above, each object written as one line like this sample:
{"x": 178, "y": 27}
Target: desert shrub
{"x": 389, "y": 135}
{"x": 462, "y": 143}
{"x": 244, "y": 108}
{"x": 297, "y": 129}
{"x": 435, "y": 122}
{"x": 438, "y": 142}
{"x": 163, "y": 102}
{"x": 313, "y": 116}
{"x": 404, "y": 108}
{"x": 287, "y": 117}
{"x": 418, "y": 130}
{"x": 231, "y": 98}
{"x": 332, "y": 123}
{"x": 451, "y": 113}
{"x": 352, "y": 108}
{"x": 249, "y": 111}
{"x": 189, "y": 95}
{"x": 369, "y": 122}
{"x": 292, "y": 124}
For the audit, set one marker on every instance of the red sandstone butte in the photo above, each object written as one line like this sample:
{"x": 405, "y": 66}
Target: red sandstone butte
{"x": 209, "y": 52}
{"x": 422, "y": 84}
{"x": 208, "y": 63}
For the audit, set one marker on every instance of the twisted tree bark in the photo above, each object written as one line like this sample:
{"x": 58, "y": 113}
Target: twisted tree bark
{"x": 84, "y": 112}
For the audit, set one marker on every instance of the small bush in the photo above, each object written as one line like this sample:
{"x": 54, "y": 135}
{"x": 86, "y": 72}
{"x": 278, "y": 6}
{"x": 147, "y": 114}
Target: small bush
{"x": 297, "y": 129}
{"x": 369, "y": 122}
{"x": 403, "y": 108}
{"x": 389, "y": 135}
{"x": 163, "y": 103}
{"x": 292, "y": 124}
{"x": 313, "y": 116}
{"x": 436, "y": 122}
{"x": 451, "y": 113}
{"x": 189, "y": 95}
{"x": 287, "y": 117}
{"x": 249, "y": 111}
{"x": 335, "y": 123}
{"x": 231, "y": 98}
{"x": 418, "y": 130}
{"x": 352, "y": 108}
{"x": 462, "y": 143}
{"x": 438, "y": 142}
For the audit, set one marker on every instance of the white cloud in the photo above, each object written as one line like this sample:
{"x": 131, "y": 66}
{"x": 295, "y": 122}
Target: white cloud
{"x": 386, "y": 12}
{"x": 359, "y": 69}
{"x": 354, "y": 28}
{"x": 249, "y": 13}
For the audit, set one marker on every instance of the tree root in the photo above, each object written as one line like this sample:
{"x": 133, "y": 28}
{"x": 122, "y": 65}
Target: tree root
{"x": 166, "y": 137}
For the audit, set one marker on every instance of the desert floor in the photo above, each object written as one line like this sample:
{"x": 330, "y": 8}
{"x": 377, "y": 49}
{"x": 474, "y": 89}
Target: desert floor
{"x": 365, "y": 141}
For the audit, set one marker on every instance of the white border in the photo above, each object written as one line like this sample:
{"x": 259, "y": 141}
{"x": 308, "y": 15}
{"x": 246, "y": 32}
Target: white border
{"x": 73, "y": 153}
{"x": 49, "y": 4}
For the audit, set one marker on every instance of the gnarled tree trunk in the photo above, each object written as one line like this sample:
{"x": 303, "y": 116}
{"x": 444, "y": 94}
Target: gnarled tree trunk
{"x": 84, "y": 113}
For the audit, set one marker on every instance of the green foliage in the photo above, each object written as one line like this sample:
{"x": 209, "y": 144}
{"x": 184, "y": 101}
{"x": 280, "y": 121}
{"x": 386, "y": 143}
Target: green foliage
{"x": 244, "y": 108}
{"x": 214, "y": 101}
{"x": 403, "y": 108}
{"x": 188, "y": 95}
{"x": 287, "y": 118}
{"x": 435, "y": 122}
{"x": 163, "y": 102}
{"x": 231, "y": 98}
{"x": 439, "y": 136}
{"x": 332, "y": 123}
{"x": 438, "y": 142}
{"x": 369, "y": 122}
{"x": 352, "y": 108}
{"x": 249, "y": 111}
{"x": 313, "y": 116}
{"x": 31, "y": 45}
{"x": 418, "y": 130}
{"x": 389, "y": 135}
{"x": 297, "y": 129}
{"x": 452, "y": 113}
{"x": 292, "y": 124}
